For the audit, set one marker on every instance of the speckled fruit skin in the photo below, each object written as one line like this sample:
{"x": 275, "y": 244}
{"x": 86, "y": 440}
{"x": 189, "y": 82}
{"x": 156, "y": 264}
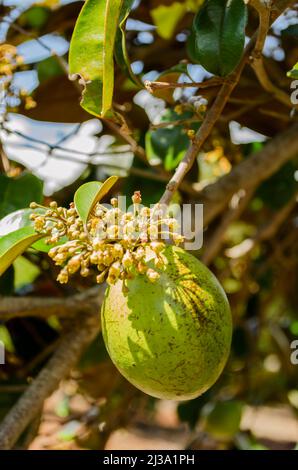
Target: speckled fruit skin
{"x": 170, "y": 339}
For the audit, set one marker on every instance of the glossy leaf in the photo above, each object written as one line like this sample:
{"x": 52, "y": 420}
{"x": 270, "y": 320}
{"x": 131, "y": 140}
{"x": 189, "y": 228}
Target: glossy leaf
{"x": 220, "y": 35}
{"x": 17, "y": 193}
{"x": 91, "y": 53}
{"x": 294, "y": 72}
{"x": 14, "y": 244}
{"x": 168, "y": 145}
{"x": 121, "y": 54}
{"x": 90, "y": 194}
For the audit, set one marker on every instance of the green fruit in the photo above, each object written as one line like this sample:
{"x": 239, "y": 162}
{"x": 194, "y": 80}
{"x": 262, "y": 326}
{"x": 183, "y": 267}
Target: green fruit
{"x": 222, "y": 419}
{"x": 170, "y": 339}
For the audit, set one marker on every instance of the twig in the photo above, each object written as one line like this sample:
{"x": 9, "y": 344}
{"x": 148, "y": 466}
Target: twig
{"x": 263, "y": 8}
{"x": 213, "y": 246}
{"x": 151, "y": 175}
{"x": 280, "y": 95}
{"x": 67, "y": 354}
{"x": 202, "y": 134}
{"x": 57, "y": 146}
{"x": 266, "y": 232}
{"x": 179, "y": 122}
{"x": 44, "y": 307}
{"x": 13, "y": 388}
{"x": 16, "y": 27}
{"x": 155, "y": 86}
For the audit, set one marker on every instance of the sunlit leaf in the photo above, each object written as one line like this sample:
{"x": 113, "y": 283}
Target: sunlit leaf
{"x": 167, "y": 17}
{"x": 90, "y": 194}
{"x": 14, "y": 244}
{"x": 91, "y": 53}
{"x": 25, "y": 272}
{"x": 220, "y": 35}
{"x": 294, "y": 72}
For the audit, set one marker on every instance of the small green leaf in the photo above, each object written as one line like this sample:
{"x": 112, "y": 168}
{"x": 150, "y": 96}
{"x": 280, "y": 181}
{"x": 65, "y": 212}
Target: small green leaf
{"x": 17, "y": 193}
{"x": 25, "y": 272}
{"x": 167, "y": 17}
{"x": 91, "y": 53}
{"x": 90, "y": 194}
{"x": 14, "y": 244}
{"x": 168, "y": 145}
{"x": 35, "y": 17}
{"x": 294, "y": 72}
{"x": 121, "y": 54}
{"x": 220, "y": 35}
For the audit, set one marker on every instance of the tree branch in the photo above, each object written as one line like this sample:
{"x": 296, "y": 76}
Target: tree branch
{"x": 251, "y": 172}
{"x": 213, "y": 246}
{"x": 260, "y": 71}
{"x": 265, "y": 232}
{"x": 43, "y": 307}
{"x": 217, "y": 108}
{"x": 84, "y": 330}
{"x": 263, "y": 8}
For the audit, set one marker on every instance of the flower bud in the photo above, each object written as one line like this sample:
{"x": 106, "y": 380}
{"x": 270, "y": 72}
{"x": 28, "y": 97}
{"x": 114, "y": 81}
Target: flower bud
{"x": 157, "y": 247}
{"x": 118, "y": 250}
{"x": 127, "y": 260}
{"x": 137, "y": 198}
{"x": 74, "y": 264}
{"x": 63, "y": 277}
{"x": 152, "y": 275}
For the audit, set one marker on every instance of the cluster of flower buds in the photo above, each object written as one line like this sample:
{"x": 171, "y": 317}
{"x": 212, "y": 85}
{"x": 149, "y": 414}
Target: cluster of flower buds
{"x": 113, "y": 243}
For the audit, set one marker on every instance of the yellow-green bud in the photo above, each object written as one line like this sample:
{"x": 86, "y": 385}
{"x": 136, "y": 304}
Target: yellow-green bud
{"x": 152, "y": 275}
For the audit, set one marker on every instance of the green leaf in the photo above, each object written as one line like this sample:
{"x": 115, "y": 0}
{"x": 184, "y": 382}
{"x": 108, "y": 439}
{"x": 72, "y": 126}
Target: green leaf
{"x": 17, "y": 193}
{"x": 25, "y": 272}
{"x": 20, "y": 219}
{"x": 91, "y": 53}
{"x": 49, "y": 68}
{"x": 90, "y": 194}
{"x": 35, "y": 17}
{"x": 167, "y": 17}
{"x": 168, "y": 144}
{"x": 291, "y": 30}
{"x": 220, "y": 35}
{"x": 14, "y": 244}
{"x": 121, "y": 54}
{"x": 294, "y": 72}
